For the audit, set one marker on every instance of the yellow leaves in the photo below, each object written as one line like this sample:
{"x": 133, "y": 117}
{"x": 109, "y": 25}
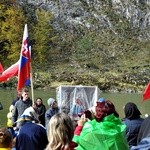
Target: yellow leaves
{"x": 11, "y": 31}
{"x": 41, "y": 33}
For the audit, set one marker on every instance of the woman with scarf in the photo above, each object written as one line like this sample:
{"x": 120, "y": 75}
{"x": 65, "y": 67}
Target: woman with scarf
{"x": 31, "y": 132}
{"x": 133, "y": 122}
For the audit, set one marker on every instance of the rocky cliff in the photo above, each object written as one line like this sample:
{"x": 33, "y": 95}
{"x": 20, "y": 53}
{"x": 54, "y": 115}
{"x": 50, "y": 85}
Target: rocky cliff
{"x": 98, "y": 14}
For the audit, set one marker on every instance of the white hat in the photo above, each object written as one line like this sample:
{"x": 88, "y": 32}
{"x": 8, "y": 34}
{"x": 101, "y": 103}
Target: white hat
{"x": 50, "y": 101}
{"x": 29, "y": 114}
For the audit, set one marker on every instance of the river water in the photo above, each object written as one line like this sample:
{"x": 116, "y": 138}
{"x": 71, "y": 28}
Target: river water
{"x": 119, "y": 100}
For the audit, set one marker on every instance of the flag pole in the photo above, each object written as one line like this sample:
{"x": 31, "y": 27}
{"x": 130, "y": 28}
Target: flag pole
{"x": 32, "y": 91}
{"x": 31, "y": 79}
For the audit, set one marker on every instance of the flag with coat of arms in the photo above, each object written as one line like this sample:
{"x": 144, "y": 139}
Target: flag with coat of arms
{"x": 24, "y": 62}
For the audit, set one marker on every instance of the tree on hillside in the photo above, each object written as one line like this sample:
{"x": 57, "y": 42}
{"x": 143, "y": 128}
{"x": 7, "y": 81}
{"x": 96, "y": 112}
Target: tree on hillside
{"x": 11, "y": 31}
{"x": 43, "y": 37}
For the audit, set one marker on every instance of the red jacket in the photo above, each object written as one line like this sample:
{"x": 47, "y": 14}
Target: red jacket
{"x": 78, "y": 130}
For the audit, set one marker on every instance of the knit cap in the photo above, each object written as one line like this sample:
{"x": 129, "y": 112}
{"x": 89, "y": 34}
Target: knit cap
{"x": 50, "y": 101}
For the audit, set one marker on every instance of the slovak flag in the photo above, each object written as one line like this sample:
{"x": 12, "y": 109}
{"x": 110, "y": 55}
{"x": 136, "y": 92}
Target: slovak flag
{"x": 146, "y": 94}
{"x": 24, "y": 62}
{"x": 10, "y": 72}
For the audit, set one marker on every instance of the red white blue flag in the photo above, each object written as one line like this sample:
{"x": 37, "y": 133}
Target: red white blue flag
{"x": 24, "y": 62}
{"x": 146, "y": 94}
{"x": 10, "y": 72}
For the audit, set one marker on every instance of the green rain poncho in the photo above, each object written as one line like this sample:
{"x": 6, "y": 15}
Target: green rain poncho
{"x": 109, "y": 134}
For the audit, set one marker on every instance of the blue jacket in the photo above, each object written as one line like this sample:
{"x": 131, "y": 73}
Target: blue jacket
{"x": 49, "y": 113}
{"x": 31, "y": 137}
{"x": 133, "y": 127}
{"x": 143, "y": 145}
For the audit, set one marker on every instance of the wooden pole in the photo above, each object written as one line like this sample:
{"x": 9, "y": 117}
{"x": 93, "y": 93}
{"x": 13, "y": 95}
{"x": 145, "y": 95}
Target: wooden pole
{"x": 31, "y": 79}
{"x": 32, "y": 91}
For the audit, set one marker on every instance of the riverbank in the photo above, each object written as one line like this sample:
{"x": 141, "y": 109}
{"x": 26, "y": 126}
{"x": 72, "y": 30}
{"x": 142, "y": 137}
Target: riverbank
{"x": 105, "y": 83}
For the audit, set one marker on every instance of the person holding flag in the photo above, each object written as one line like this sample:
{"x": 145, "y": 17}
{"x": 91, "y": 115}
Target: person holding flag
{"x": 23, "y": 77}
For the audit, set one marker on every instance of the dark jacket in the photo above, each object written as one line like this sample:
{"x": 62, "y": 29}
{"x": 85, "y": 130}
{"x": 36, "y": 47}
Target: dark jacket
{"x": 133, "y": 127}
{"x": 31, "y": 137}
{"x": 133, "y": 122}
{"x": 19, "y": 108}
{"x": 41, "y": 109}
{"x": 144, "y": 130}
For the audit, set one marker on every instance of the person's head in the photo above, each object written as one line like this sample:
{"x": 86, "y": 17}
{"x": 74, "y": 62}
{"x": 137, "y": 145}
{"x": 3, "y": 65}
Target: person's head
{"x": 29, "y": 115}
{"x": 34, "y": 106}
{"x": 60, "y": 132}
{"x": 104, "y": 108}
{"x": 78, "y": 101}
{"x": 5, "y": 138}
{"x": 38, "y": 101}
{"x": 52, "y": 102}
{"x": 25, "y": 94}
{"x": 131, "y": 111}
{"x": 19, "y": 93}
{"x": 65, "y": 109}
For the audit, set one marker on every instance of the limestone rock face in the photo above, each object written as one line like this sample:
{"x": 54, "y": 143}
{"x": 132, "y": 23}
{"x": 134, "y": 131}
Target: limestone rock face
{"x": 96, "y": 13}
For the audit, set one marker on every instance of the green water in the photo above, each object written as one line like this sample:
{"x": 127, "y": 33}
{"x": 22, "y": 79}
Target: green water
{"x": 119, "y": 100}
{"x": 7, "y": 96}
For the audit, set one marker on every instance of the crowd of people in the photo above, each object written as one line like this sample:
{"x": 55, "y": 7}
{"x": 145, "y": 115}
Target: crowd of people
{"x": 31, "y": 126}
